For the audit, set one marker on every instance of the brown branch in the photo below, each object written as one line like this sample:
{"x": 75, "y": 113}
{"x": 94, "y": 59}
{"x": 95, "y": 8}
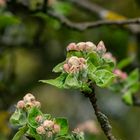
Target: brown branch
{"x": 94, "y": 8}
{"x": 102, "y": 119}
{"x": 83, "y": 26}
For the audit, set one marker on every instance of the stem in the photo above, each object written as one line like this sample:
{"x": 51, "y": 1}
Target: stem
{"x": 102, "y": 119}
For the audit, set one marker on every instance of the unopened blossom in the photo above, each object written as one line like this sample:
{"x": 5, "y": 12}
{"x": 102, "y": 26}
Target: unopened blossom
{"x": 39, "y": 119}
{"x": 20, "y": 104}
{"x": 66, "y": 68}
{"x": 90, "y": 46}
{"x": 74, "y": 64}
{"x": 101, "y": 49}
{"x": 40, "y": 130}
{"x": 2, "y": 2}
{"x": 37, "y": 104}
{"x": 72, "y": 47}
{"x": 86, "y": 46}
{"x": 108, "y": 56}
{"x": 89, "y": 126}
{"x": 49, "y": 134}
{"x": 81, "y": 46}
{"x": 73, "y": 61}
{"x": 28, "y": 97}
{"x": 48, "y": 124}
{"x": 120, "y": 74}
{"x": 56, "y": 128}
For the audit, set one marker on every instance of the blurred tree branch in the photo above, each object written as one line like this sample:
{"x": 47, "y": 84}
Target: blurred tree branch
{"x": 94, "y": 24}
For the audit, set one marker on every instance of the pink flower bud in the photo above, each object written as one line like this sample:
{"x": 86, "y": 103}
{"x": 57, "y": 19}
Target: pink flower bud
{"x": 49, "y": 134}
{"x": 20, "y": 104}
{"x": 40, "y": 130}
{"x": 124, "y": 75}
{"x": 37, "y": 104}
{"x": 108, "y": 56}
{"x": 66, "y": 67}
{"x": 120, "y": 74}
{"x": 39, "y": 118}
{"x": 71, "y": 47}
{"x": 73, "y": 61}
{"x": 81, "y": 46}
{"x": 48, "y": 124}
{"x": 2, "y": 3}
{"x": 117, "y": 72}
{"x": 90, "y": 46}
{"x": 56, "y": 128}
{"x": 82, "y": 60}
{"x": 28, "y": 97}
{"x": 101, "y": 48}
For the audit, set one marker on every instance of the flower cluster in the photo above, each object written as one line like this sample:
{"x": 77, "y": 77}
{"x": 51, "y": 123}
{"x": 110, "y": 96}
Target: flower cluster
{"x": 82, "y": 46}
{"x": 87, "y": 46}
{"x": 122, "y": 75}
{"x": 46, "y": 127}
{"x": 74, "y": 64}
{"x": 28, "y": 102}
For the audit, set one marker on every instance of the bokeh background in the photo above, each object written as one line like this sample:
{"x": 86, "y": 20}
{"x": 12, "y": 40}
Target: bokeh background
{"x": 32, "y": 43}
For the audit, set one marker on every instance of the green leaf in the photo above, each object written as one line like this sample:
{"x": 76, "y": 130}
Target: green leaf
{"x": 127, "y": 98}
{"x": 20, "y": 133}
{"x": 74, "y": 53}
{"x": 58, "y": 82}
{"x": 18, "y": 117}
{"x": 63, "y": 123}
{"x": 102, "y": 77}
{"x": 91, "y": 68}
{"x": 109, "y": 64}
{"x": 32, "y": 114}
{"x": 94, "y": 58}
{"x": 125, "y": 62}
{"x": 132, "y": 78}
{"x": 86, "y": 88}
{"x": 72, "y": 82}
{"x": 8, "y": 19}
{"x": 59, "y": 67}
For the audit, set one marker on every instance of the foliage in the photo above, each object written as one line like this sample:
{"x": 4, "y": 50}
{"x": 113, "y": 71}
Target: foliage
{"x": 84, "y": 64}
{"x": 34, "y": 124}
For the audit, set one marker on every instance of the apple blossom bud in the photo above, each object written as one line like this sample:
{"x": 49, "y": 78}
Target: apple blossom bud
{"x": 29, "y": 105}
{"x": 82, "y": 60}
{"x": 39, "y": 119}
{"x": 90, "y": 46}
{"x": 48, "y": 124}
{"x": 108, "y": 56}
{"x": 117, "y": 72}
{"x": 20, "y": 104}
{"x": 124, "y": 75}
{"x": 37, "y": 104}
{"x": 28, "y": 97}
{"x": 56, "y": 128}
{"x": 71, "y": 47}
{"x": 40, "y": 130}
{"x": 66, "y": 67}
{"x": 73, "y": 61}
{"x": 120, "y": 74}
{"x": 49, "y": 134}
{"x": 2, "y": 3}
{"x": 81, "y": 46}
{"x": 101, "y": 48}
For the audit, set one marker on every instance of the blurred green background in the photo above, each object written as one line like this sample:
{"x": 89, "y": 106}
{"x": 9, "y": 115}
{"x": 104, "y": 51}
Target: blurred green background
{"x": 32, "y": 43}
